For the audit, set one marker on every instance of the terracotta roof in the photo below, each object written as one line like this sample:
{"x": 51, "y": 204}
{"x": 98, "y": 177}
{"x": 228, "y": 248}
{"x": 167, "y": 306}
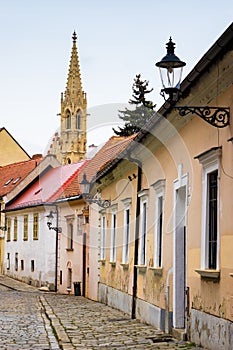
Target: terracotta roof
{"x": 111, "y": 149}
{"x": 11, "y": 175}
{"x": 48, "y": 188}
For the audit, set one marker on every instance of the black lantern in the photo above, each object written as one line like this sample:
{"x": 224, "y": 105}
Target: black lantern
{"x": 50, "y": 218}
{"x": 85, "y": 185}
{"x": 170, "y": 68}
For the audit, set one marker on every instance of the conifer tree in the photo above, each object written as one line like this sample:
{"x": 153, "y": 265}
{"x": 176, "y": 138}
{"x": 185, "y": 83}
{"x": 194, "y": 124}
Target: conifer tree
{"x": 136, "y": 118}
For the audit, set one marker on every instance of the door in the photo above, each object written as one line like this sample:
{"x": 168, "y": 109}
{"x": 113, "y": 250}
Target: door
{"x": 179, "y": 276}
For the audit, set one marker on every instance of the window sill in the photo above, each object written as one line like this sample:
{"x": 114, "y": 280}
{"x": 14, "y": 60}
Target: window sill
{"x": 157, "y": 270}
{"x": 125, "y": 266}
{"x": 69, "y": 249}
{"x": 141, "y": 268}
{"x": 102, "y": 261}
{"x": 209, "y": 274}
{"x": 113, "y": 263}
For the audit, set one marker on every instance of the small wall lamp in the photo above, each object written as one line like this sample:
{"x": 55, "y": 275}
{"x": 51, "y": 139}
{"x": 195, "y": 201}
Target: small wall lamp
{"x": 50, "y": 218}
{"x": 171, "y": 72}
{"x": 85, "y": 186}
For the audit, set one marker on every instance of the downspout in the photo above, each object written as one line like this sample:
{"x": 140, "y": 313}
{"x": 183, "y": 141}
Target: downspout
{"x": 136, "y": 243}
{"x": 56, "y": 250}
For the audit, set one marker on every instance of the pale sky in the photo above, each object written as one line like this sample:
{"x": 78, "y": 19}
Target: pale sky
{"x": 116, "y": 41}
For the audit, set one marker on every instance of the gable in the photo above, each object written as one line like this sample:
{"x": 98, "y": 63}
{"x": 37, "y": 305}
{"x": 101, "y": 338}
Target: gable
{"x": 11, "y": 151}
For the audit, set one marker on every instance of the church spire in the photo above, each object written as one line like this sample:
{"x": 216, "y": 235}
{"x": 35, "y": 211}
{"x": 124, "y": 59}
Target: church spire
{"x": 74, "y": 84}
{"x": 70, "y": 144}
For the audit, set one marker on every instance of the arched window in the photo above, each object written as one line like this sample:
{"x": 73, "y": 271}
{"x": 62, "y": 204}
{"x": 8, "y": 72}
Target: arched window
{"x": 78, "y": 120}
{"x": 68, "y": 120}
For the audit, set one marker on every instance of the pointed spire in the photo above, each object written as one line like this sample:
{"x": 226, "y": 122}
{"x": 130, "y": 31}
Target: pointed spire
{"x": 74, "y": 84}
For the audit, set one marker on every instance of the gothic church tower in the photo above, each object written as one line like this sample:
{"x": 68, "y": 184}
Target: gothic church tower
{"x": 70, "y": 145}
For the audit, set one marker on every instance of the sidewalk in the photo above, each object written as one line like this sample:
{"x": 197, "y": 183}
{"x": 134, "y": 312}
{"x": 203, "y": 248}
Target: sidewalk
{"x": 79, "y": 323}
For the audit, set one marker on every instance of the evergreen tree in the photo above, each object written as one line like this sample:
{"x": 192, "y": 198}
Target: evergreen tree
{"x": 136, "y": 118}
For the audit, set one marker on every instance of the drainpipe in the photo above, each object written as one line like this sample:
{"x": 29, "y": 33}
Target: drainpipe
{"x": 136, "y": 243}
{"x": 56, "y": 250}
{"x": 167, "y": 302}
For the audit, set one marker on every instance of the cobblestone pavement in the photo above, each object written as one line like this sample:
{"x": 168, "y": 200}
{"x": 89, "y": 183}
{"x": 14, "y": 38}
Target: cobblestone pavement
{"x": 29, "y": 319}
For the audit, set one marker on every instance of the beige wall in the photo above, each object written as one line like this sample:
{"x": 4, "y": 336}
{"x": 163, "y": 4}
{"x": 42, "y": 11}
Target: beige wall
{"x": 11, "y": 152}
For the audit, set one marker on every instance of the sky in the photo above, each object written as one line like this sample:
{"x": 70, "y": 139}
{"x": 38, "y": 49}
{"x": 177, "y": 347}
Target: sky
{"x": 116, "y": 41}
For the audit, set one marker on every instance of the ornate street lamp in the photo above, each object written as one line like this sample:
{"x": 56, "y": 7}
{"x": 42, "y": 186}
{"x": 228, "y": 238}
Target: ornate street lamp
{"x": 50, "y": 218}
{"x": 171, "y": 73}
{"x": 85, "y": 186}
{"x": 170, "y": 68}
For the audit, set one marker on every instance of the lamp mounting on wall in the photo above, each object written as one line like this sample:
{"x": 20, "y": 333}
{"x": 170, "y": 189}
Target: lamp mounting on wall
{"x": 50, "y": 218}
{"x": 3, "y": 228}
{"x": 171, "y": 72}
{"x": 85, "y": 186}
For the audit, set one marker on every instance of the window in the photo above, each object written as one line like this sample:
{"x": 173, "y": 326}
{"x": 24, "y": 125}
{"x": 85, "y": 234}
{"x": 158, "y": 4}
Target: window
{"x": 8, "y": 261}
{"x": 113, "y": 239}
{"x": 143, "y": 227}
{"x": 68, "y": 120}
{"x": 32, "y": 265}
{"x": 60, "y": 277}
{"x": 22, "y": 265}
{"x": 70, "y": 236}
{"x": 8, "y": 181}
{"x": 16, "y": 261}
{"x": 159, "y": 187}
{"x": 25, "y": 227}
{"x": 69, "y": 279}
{"x": 210, "y": 161}
{"x": 35, "y": 226}
{"x": 8, "y": 237}
{"x": 212, "y": 218}
{"x": 78, "y": 120}
{"x": 80, "y": 224}
{"x": 103, "y": 238}
{"x": 15, "y": 228}
{"x": 126, "y": 233}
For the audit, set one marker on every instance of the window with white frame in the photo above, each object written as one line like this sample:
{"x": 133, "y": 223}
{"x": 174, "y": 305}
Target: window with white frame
{"x": 143, "y": 226}
{"x": 210, "y": 161}
{"x": 126, "y": 233}
{"x": 159, "y": 187}
{"x": 70, "y": 236}
{"x": 15, "y": 228}
{"x": 103, "y": 237}
{"x": 113, "y": 237}
{"x": 80, "y": 219}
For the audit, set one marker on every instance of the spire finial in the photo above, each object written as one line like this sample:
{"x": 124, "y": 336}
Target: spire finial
{"x": 74, "y": 37}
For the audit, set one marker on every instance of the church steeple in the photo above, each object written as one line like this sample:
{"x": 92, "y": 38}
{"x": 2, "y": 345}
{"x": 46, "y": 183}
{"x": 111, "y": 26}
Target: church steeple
{"x": 74, "y": 84}
{"x": 73, "y": 113}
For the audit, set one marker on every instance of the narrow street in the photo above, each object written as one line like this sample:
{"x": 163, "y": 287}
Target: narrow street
{"x": 31, "y": 319}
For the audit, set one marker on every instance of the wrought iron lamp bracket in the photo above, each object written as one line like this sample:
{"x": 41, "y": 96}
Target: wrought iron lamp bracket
{"x": 216, "y": 116}
{"x": 56, "y": 229}
{"x": 3, "y": 228}
{"x": 104, "y": 203}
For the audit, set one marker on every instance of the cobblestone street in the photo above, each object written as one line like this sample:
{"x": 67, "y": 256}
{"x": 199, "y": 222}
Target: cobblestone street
{"x": 31, "y": 319}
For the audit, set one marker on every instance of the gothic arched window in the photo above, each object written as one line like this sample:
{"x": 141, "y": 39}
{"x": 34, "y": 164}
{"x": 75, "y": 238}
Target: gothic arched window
{"x": 78, "y": 120}
{"x": 68, "y": 120}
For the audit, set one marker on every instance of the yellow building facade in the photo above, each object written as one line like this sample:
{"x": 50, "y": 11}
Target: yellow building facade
{"x": 166, "y": 240}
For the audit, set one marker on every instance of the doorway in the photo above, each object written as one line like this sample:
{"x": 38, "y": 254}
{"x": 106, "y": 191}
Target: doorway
{"x": 179, "y": 275}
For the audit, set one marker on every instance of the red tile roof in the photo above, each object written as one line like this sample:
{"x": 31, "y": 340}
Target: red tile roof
{"x": 48, "y": 188}
{"x": 110, "y": 151}
{"x": 11, "y": 175}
